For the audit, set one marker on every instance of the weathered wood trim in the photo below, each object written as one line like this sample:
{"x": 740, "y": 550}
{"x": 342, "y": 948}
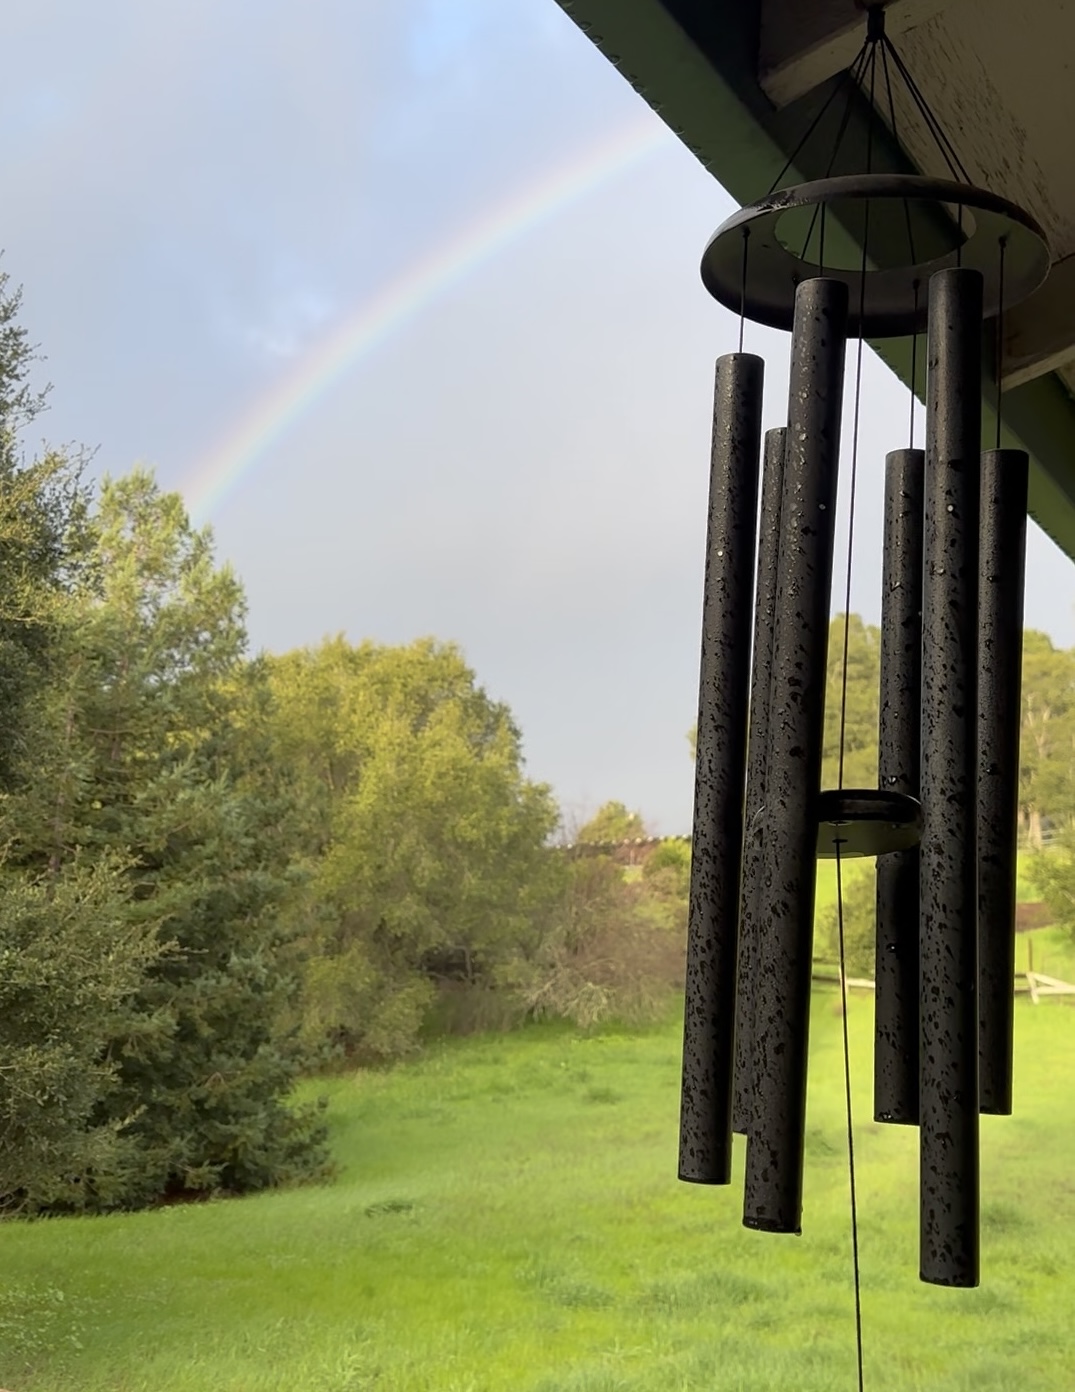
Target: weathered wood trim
{"x": 695, "y": 63}
{"x": 805, "y": 42}
{"x": 1039, "y": 334}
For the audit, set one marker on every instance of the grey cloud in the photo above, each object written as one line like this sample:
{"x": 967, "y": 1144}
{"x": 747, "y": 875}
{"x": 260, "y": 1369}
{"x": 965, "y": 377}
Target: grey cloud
{"x": 196, "y": 191}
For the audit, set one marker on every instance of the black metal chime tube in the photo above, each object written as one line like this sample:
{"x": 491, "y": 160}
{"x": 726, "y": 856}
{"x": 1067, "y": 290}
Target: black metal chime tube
{"x": 773, "y": 1189}
{"x": 772, "y": 483}
{"x": 948, "y": 945}
{"x": 1002, "y": 543}
{"x": 705, "y": 1138}
{"x": 895, "y": 1058}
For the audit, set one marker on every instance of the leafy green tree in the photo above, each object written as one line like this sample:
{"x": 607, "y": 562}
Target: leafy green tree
{"x": 611, "y": 824}
{"x": 860, "y": 922}
{"x": 429, "y": 843}
{"x": 1052, "y": 873}
{"x": 1047, "y": 737}
{"x": 666, "y": 875}
{"x": 861, "y": 707}
{"x": 860, "y": 721}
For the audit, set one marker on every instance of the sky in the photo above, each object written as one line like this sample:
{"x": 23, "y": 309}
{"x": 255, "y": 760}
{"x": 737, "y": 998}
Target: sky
{"x": 404, "y": 299}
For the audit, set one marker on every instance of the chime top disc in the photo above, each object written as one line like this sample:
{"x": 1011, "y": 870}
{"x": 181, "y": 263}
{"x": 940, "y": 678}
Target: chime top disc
{"x": 857, "y": 822}
{"x": 911, "y": 227}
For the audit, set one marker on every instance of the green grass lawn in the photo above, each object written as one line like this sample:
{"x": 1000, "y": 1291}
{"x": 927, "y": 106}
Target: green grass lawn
{"x": 507, "y": 1217}
{"x": 1052, "y": 949}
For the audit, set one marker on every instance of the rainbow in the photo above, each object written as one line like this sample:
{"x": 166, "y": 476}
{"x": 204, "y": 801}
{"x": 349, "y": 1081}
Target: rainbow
{"x": 399, "y": 302}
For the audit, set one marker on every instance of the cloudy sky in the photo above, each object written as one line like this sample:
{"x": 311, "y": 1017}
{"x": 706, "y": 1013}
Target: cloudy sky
{"x": 404, "y": 298}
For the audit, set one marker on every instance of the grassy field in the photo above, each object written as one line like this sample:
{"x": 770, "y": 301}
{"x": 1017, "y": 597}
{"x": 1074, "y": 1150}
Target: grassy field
{"x": 507, "y": 1217}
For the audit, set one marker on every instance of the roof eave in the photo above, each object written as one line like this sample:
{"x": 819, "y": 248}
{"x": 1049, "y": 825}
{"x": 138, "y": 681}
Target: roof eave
{"x": 695, "y": 65}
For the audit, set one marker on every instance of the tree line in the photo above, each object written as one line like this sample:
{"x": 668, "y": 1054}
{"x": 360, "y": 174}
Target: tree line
{"x": 1046, "y": 777}
{"x": 219, "y": 870}
{"x": 1047, "y": 731}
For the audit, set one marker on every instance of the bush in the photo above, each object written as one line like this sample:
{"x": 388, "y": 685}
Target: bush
{"x": 604, "y": 954}
{"x": 1052, "y": 873}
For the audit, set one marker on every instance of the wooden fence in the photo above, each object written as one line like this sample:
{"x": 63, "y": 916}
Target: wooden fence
{"x": 1032, "y": 983}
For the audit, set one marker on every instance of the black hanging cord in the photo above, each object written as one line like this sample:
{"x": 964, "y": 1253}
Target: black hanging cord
{"x": 743, "y": 288}
{"x": 845, "y": 78}
{"x": 947, "y": 149}
{"x": 850, "y": 1136}
{"x": 840, "y": 783}
{"x": 1000, "y": 335}
{"x": 821, "y": 240}
{"x": 850, "y": 82}
{"x": 855, "y": 73}
{"x": 894, "y": 127}
{"x": 914, "y": 365}
{"x": 843, "y": 743}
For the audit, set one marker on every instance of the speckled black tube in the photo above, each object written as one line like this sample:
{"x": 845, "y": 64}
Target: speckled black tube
{"x": 948, "y": 905}
{"x": 895, "y": 1051}
{"x": 772, "y": 483}
{"x": 1001, "y": 559}
{"x": 705, "y": 1135}
{"x": 773, "y": 1189}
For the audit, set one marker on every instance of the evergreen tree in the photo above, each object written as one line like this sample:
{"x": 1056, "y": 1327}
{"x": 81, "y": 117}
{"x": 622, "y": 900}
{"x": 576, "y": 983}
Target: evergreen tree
{"x": 70, "y": 959}
{"x": 69, "y": 953}
{"x": 160, "y": 755}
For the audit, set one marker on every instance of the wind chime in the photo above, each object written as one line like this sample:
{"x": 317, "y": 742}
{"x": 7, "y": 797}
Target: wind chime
{"x": 942, "y": 821}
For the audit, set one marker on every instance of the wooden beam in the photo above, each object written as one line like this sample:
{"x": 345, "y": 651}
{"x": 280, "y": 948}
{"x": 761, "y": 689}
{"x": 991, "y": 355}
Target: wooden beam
{"x": 1039, "y": 334}
{"x": 805, "y": 42}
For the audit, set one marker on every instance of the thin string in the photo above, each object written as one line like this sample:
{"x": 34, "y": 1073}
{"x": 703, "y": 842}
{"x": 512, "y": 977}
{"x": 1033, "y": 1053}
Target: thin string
{"x": 840, "y": 783}
{"x": 812, "y": 127}
{"x": 894, "y": 126}
{"x": 856, "y": 73}
{"x": 869, "y": 132}
{"x": 914, "y": 364}
{"x": 933, "y": 126}
{"x": 850, "y": 1136}
{"x": 743, "y": 288}
{"x": 821, "y": 242}
{"x": 852, "y": 1184}
{"x": 1000, "y": 336}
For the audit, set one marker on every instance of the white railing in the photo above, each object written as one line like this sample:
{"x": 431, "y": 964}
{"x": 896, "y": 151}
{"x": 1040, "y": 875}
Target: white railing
{"x": 1037, "y": 984}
